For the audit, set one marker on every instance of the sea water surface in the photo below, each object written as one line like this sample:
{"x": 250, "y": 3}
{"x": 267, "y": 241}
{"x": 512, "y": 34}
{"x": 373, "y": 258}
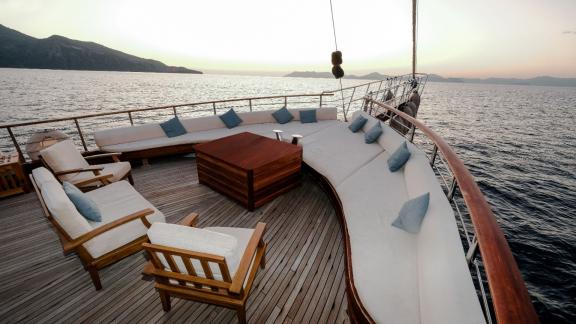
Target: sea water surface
{"x": 518, "y": 141}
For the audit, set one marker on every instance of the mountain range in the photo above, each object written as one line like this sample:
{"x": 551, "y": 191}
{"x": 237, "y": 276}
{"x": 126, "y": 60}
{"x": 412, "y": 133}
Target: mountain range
{"x": 537, "y": 81}
{"x": 18, "y": 50}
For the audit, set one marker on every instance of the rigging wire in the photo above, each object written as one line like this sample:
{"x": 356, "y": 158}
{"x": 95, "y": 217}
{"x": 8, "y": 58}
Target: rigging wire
{"x": 336, "y": 46}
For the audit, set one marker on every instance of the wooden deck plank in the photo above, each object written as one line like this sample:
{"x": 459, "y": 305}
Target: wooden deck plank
{"x": 303, "y": 280}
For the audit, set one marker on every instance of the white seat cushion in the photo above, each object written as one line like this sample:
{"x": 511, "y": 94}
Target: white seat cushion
{"x": 229, "y": 242}
{"x": 336, "y": 152}
{"x": 384, "y": 259}
{"x": 442, "y": 263}
{"x": 115, "y": 201}
{"x": 294, "y": 127}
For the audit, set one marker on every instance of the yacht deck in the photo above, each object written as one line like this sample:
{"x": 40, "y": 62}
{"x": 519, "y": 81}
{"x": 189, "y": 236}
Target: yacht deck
{"x": 303, "y": 280}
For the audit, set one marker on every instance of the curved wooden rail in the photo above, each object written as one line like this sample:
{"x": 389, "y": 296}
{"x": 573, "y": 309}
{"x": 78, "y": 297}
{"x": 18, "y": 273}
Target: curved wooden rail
{"x": 510, "y": 297}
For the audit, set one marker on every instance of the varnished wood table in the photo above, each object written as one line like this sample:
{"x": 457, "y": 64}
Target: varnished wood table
{"x": 12, "y": 178}
{"x": 249, "y": 168}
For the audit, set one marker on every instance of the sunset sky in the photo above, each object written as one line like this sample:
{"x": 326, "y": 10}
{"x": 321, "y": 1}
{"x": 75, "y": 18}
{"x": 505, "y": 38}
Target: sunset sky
{"x": 512, "y": 38}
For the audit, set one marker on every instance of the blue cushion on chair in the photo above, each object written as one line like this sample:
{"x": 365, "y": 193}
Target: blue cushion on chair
{"x": 397, "y": 160}
{"x": 230, "y": 118}
{"x": 308, "y": 116}
{"x": 372, "y": 135}
{"x": 282, "y": 116}
{"x": 357, "y": 124}
{"x": 412, "y": 213}
{"x": 173, "y": 127}
{"x": 85, "y": 205}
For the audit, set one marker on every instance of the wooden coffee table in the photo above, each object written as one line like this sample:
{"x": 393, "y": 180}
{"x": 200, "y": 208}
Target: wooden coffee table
{"x": 249, "y": 168}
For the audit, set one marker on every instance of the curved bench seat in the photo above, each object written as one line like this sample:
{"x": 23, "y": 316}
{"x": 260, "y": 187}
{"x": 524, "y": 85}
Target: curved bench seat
{"x": 393, "y": 276}
{"x": 204, "y": 129}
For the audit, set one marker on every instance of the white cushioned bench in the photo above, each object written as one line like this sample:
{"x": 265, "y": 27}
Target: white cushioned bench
{"x": 204, "y": 129}
{"x": 399, "y": 277}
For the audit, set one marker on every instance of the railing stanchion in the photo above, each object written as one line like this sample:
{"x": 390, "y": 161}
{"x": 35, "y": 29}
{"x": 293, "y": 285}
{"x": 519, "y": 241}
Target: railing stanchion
{"x": 472, "y": 249}
{"x": 214, "y": 107}
{"x": 16, "y": 145}
{"x": 285, "y": 101}
{"x": 350, "y": 102}
{"x": 130, "y": 117}
{"x": 81, "y": 135}
{"x": 174, "y": 109}
{"x": 434, "y": 153}
{"x": 250, "y": 104}
{"x": 452, "y": 191}
{"x": 412, "y": 133}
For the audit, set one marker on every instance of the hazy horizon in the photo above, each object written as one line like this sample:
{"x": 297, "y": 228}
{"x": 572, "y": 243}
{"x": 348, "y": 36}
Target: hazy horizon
{"x": 513, "y": 39}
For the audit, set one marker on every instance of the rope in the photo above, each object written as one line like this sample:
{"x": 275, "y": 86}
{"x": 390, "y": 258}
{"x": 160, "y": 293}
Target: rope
{"x": 333, "y": 25}
{"x": 336, "y": 46}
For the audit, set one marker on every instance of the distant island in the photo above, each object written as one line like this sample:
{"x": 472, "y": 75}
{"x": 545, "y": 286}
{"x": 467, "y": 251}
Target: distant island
{"x": 537, "y": 81}
{"x": 18, "y": 50}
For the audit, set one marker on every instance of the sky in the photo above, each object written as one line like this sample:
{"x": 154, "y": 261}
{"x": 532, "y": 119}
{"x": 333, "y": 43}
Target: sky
{"x": 456, "y": 38}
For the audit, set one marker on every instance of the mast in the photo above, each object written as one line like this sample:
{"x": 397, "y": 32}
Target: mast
{"x": 414, "y": 3}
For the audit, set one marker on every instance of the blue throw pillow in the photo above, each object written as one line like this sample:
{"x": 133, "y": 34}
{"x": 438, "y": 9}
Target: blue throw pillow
{"x": 85, "y": 205}
{"x": 282, "y": 116}
{"x": 373, "y": 133}
{"x": 357, "y": 124}
{"x": 308, "y": 116}
{"x": 173, "y": 127}
{"x": 412, "y": 213}
{"x": 397, "y": 160}
{"x": 230, "y": 118}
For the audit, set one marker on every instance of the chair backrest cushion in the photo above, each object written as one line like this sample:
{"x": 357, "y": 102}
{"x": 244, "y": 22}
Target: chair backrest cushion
{"x": 42, "y": 175}
{"x": 63, "y": 156}
{"x": 63, "y": 210}
{"x": 195, "y": 240}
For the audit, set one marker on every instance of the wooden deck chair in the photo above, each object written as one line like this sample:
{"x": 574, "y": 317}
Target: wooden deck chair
{"x": 68, "y": 164}
{"x": 126, "y": 217}
{"x": 214, "y": 265}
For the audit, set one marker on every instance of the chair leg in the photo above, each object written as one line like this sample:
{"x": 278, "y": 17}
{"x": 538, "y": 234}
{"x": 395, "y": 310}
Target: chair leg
{"x": 130, "y": 179}
{"x": 241, "y": 313}
{"x": 95, "y": 277}
{"x": 165, "y": 299}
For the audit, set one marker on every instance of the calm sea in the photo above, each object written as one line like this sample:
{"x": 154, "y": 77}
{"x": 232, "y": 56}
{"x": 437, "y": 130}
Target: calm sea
{"x": 518, "y": 141}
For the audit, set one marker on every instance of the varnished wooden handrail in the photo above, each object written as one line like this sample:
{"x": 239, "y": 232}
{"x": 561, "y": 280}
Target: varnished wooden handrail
{"x": 510, "y": 298}
{"x": 90, "y": 168}
{"x": 129, "y": 111}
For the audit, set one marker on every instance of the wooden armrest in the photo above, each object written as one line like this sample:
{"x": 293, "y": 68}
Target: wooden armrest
{"x": 245, "y": 262}
{"x": 102, "y": 178}
{"x": 190, "y": 220}
{"x": 106, "y": 227}
{"x": 86, "y": 169}
{"x": 103, "y": 155}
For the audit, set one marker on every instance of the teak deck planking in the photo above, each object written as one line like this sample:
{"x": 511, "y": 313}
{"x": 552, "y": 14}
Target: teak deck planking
{"x": 303, "y": 281}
